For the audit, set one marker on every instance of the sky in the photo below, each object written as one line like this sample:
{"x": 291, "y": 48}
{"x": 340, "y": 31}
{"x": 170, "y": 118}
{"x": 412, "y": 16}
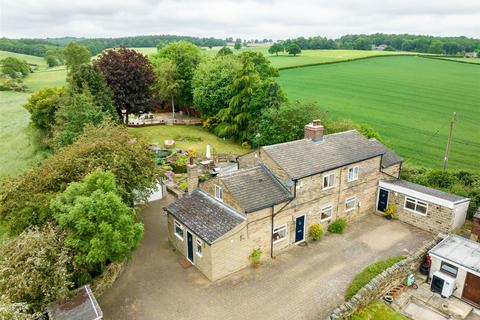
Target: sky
{"x": 246, "y": 19}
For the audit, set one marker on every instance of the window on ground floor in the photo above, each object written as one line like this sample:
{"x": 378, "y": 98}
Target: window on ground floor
{"x": 416, "y": 205}
{"x": 350, "y": 204}
{"x": 178, "y": 230}
{"x": 199, "y": 247}
{"x": 326, "y": 213}
{"x": 280, "y": 233}
{"x": 449, "y": 269}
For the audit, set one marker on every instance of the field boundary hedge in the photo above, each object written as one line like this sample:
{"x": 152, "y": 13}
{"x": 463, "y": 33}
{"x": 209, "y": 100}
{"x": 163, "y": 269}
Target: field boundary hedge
{"x": 350, "y": 60}
{"x": 451, "y": 59}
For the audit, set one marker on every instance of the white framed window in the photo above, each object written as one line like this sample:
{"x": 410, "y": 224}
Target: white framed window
{"x": 178, "y": 230}
{"x": 279, "y": 233}
{"x": 199, "y": 247}
{"x": 416, "y": 206}
{"x": 350, "y": 204}
{"x": 352, "y": 174}
{"x": 326, "y": 213}
{"x": 219, "y": 193}
{"x": 328, "y": 181}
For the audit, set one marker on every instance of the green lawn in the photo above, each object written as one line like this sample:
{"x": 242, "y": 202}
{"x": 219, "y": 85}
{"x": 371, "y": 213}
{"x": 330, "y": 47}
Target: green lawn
{"x": 408, "y": 100}
{"x": 158, "y": 134}
{"x": 377, "y": 311}
{"x": 18, "y": 151}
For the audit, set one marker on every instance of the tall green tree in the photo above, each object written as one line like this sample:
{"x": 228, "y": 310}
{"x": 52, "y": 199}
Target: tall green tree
{"x": 35, "y": 268}
{"x": 276, "y": 48}
{"x": 100, "y": 227}
{"x": 186, "y": 57}
{"x": 78, "y": 112}
{"x": 212, "y": 84}
{"x": 89, "y": 77}
{"x": 42, "y": 106}
{"x": 293, "y": 49}
{"x": 14, "y": 68}
{"x": 75, "y": 55}
{"x": 129, "y": 75}
{"x": 167, "y": 86}
{"x": 25, "y": 199}
{"x": 238, "y": 44}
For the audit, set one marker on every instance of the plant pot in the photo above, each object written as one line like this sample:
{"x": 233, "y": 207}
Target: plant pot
{"x": 388, "y": 217}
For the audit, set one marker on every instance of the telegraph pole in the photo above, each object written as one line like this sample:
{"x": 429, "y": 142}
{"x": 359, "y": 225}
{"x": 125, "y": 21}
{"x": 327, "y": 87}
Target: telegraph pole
{"x": 449, "y": 142}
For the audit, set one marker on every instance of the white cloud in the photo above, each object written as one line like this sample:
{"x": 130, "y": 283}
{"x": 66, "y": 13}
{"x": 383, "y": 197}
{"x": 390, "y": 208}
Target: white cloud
{"x": 248, "y": 19}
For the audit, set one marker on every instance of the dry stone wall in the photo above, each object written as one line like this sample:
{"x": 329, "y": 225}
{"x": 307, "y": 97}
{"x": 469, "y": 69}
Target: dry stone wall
{"x": 379, "y": 285}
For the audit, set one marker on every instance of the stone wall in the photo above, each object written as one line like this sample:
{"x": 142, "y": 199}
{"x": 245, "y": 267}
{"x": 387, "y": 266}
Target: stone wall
{"x": 379, "y": 285}
{"x": 438, "y": 219}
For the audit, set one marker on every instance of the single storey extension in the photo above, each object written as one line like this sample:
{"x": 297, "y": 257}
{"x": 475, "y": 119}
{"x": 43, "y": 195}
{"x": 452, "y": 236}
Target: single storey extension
{"x": 429, "y": 209}
{"x": 279, "y": 191}
{"x": 456, "y": 260}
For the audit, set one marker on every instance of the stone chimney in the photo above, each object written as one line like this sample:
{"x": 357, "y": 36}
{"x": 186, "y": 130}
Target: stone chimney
{"x": 313, "y": 131}
{"x": 476, "y": 227}
{"x": 192, "y": 175}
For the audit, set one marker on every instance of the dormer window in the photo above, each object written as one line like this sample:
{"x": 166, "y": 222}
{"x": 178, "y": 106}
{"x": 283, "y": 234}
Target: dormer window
{"x": 352, "y": 174}
{"x": 219, "y": 193}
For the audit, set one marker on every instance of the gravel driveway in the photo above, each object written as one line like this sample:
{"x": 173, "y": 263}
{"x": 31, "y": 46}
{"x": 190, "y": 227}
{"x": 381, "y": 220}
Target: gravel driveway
{"x": 302, "y": 283}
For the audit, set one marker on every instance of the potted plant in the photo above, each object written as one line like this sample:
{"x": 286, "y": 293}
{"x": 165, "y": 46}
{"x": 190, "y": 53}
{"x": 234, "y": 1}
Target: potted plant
{"x": 255, "y": 257}
{"x": 391, "y": 212}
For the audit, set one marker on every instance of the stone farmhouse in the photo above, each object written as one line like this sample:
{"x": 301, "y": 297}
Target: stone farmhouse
{"x": 280, "y": 190}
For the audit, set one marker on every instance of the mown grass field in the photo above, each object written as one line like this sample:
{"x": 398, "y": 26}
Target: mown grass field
{"x": 17, "y": 150}
{"x": 468, "y": 60}
{"x": 187, "y": 137}
{"x": 408, "y": 100}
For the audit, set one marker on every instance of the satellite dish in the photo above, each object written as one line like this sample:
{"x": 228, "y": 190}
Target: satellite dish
{"x": 289, "y": 182}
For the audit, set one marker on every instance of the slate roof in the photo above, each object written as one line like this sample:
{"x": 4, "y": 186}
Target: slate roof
{"x": 255, "y": 188}
{"x": 82, "y": 306}
{"x": 459, "y": 250}
{"x": 389, "y": 158}
{"x": 304, "y": 157}
{"x": 203, "y": 215}
{"x": 426, "y": 190}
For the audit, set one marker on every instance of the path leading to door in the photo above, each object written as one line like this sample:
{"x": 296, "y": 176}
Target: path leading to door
{"x": 302, "y": 283}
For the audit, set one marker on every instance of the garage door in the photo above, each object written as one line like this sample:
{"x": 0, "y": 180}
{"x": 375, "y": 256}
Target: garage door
{"x": 471, "y": 290}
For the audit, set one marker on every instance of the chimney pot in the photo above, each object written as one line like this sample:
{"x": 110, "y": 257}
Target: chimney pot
{"x": 313, "y": 131}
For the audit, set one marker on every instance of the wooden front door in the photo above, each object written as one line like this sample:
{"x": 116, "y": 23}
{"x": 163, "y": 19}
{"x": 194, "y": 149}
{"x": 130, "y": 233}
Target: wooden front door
{"x": 471, "y": 290}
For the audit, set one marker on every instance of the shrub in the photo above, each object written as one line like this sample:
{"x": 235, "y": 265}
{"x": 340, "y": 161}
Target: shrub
{"x": 255, "y": 257}
{"x": 337, "y": 226}
{"x": 368, "y": 274}
{"x": 316, "y": 231}
{"x": 391, "y": 211}
{"x": 14, "y": 68}
{"x": 34, "y": 267}
{"x": 100, "y": 227}
{"x": 25, "y": 200}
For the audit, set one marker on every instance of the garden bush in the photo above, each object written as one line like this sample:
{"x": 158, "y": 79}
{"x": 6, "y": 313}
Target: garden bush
{"x": 316, "y": 231}
{"x": 337, "y": 226}
{"x": 255, "y": 257}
